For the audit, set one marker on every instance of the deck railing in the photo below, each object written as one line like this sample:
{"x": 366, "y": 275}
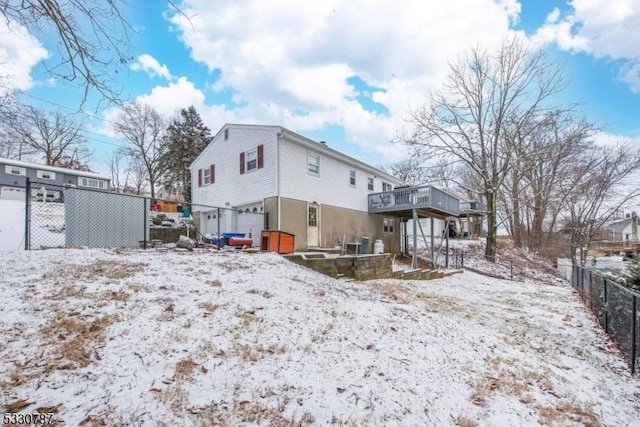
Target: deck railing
{"x": 423, "y": 197}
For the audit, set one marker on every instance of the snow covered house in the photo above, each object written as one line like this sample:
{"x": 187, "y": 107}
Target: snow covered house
{"x": 300, "y": 186}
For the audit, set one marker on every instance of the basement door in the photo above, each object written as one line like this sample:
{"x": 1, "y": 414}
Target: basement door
{"x": 313, "y": 226}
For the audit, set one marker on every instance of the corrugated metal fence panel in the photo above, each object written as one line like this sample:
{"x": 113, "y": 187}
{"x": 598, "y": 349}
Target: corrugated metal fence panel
{"x": 98, "y": 219}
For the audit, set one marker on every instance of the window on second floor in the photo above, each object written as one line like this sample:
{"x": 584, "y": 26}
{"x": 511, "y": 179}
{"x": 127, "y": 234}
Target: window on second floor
{"x": 370, "y": 183}
{"x": 252, "y": 160}
{"x": 352, "y": 177}
{"x": 46, "y": 174}
{"x": 15, "y": 170}
{"x": 207, "y": 176}
{"x": 386, "y": 186}
{"x": 314, "y": 164}
{"x": 92, "y": 183}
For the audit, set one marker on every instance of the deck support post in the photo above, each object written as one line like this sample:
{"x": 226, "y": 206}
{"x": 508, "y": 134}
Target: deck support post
{"x": 433, "y": 252}
{"x": 414, "y": 261}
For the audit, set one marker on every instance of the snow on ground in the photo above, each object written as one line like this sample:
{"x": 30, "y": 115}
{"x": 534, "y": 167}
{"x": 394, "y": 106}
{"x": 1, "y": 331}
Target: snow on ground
{"x": 132, "y": 337}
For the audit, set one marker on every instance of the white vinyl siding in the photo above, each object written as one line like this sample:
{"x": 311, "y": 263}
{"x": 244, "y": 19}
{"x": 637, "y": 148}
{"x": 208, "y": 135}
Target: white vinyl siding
{"x": 15, "y": 170}
{"x": 45, "y": 174}
{"x": 331, "y": 187}
{"x": 230, "y": 185}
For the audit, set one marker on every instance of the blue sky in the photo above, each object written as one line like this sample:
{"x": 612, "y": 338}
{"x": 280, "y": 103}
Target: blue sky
{"x": 342, "y": 71}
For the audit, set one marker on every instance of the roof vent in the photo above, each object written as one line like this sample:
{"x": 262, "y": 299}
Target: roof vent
{"x": 323, "y": 142}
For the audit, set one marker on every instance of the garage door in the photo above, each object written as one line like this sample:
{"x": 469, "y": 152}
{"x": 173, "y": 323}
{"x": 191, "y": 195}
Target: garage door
{"x": 11, "y": 193}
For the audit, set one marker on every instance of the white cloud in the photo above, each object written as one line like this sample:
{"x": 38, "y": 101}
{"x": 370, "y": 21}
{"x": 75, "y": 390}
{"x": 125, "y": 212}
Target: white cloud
{"x": 167, "y": 100}
{"x": 151, "y": 66}
{"x": 19, "y": 53}
{"x": 602, "y": 28}
{"x": 630, "y": 74}
{"x": 288, "y": 61}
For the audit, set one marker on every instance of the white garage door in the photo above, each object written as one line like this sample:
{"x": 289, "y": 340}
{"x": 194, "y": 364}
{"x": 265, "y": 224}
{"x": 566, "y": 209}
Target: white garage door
{"x": 12, "y": 193}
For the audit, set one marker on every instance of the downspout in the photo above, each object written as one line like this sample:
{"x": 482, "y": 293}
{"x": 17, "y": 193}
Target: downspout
{"x": 279, "y": 136}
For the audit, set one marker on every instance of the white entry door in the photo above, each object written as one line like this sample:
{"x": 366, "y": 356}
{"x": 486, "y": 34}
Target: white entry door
{"x": 313, "y": 226}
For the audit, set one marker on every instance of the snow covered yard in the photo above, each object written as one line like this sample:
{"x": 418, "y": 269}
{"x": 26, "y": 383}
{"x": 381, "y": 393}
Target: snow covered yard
{"x": 131, "y": 337}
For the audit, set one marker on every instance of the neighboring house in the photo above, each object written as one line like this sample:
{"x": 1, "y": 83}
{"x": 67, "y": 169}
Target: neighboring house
{"x": 626, "y": 229}
{"x": 300, "y": 186}
{"x": 14, "y": 174}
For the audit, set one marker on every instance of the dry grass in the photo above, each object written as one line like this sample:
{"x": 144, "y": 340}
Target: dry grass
{"x": 265, "y": 294}
{"x": 109, "y": 269}
{"x": 75, "y": 339}
{"x": 185, "y": 369}
{"x": 214, "y": 282}
{"x": 566, "y": 413}
{"x": 255, "y": 353}
{"x": 439, "y": 304}
{"x": 465, "y": 421}
{"x": 209, "y": 307}
{"x": 509, "y": 378}
{"x": 396, "y": 292}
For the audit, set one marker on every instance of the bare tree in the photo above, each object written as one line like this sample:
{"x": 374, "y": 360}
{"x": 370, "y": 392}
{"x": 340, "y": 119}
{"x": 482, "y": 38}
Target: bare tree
{"x": 409, "y": 171}
{"x": 54, "y": 135}
{"x": 142, "y": 128}
{"x": 119, "y": 170}
{"x": 466, "y": 120}
{"x": 596, "y": 190}
{"x": 137, "y": 172}
{"x": 545, "y": 152}
{"x": 92, "y": 38}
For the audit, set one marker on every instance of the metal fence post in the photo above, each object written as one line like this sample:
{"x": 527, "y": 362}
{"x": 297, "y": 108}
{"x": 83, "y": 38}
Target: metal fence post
{"x": 144, "y": 226}
{"x": 27, "y": 215}
{"x": 633, "y": 334}
{"x": 606, "y": 308}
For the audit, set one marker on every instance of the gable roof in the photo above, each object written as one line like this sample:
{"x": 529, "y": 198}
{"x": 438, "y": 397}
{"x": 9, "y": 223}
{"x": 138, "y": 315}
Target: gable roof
{"x": 320, "y": 147}
{"x": 57, "y": 169}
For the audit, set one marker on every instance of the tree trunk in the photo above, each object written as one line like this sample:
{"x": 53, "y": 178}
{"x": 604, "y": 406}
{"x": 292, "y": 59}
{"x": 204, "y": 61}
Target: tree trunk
{"x": 492, "y": 227}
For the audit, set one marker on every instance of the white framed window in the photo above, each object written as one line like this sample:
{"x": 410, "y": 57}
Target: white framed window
{"x": 252, "y": 160}
{"x": 386, "y": 186}
{"x": 352, "y": 177}
{"x": 370, "y": 183}
{"x": 388, "y": 225}
{"x": 206, "y": 176}
{"x": 313, "y": 163}
{"x": 46, "y": 174}
{"x": 15, "y": 170}
{"x": 92, "y": 183}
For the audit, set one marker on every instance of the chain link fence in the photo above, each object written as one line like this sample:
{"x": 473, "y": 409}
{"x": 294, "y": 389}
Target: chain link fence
{"x": 66, "y": 216}
{"x": 615, "y": 307}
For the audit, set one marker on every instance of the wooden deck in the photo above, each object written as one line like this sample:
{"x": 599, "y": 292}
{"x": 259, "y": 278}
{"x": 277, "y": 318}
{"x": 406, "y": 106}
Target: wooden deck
{"x": 612, "y": 247}
{"x": 426, "y": 201}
